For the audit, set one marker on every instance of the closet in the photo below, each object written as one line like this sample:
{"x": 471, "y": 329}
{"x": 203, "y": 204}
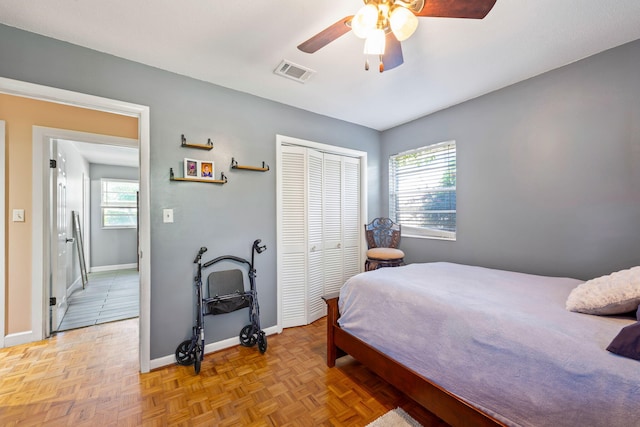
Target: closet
{"x": 320, "y": 230}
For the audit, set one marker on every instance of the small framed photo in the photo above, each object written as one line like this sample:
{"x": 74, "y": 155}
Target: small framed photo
{"x": 206, "y": 169}
{"x": 191, "y": 168}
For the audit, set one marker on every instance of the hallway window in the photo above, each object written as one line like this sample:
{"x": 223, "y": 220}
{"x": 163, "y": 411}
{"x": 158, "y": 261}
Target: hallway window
{"x": 119, "y": 203}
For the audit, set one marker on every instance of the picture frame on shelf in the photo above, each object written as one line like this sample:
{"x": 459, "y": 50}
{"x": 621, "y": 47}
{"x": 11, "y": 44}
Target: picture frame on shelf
{"x": 206, "y": 169}
{"x": 191, "y": 168}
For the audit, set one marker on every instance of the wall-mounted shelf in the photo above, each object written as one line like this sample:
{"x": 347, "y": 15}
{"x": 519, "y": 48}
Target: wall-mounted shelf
{"x": 207, "y": 146}
{"x": 222, "y": 180}
{"x": 235, "y": 165}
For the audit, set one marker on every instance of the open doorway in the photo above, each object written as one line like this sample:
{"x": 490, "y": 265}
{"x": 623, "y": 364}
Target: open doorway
{"x": 94, "y": 236}
{"x": 38, "y": 256}
{"x": 76, "y": 167}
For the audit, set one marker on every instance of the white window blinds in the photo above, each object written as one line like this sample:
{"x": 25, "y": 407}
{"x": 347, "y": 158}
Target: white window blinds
{"x": 422, "y": 191}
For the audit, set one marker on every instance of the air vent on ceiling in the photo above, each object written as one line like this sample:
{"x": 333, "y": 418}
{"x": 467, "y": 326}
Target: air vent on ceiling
{"x": 294, "y": 71}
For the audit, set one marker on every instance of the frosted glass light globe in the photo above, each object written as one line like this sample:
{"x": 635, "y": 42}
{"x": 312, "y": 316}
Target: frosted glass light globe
{"x": 403, "y": 23}
{"x": 365, "y": 21}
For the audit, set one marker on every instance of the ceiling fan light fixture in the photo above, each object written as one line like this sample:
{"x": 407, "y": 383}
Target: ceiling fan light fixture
{"x": 403, "y": 23}
{"x": 375, "y": 42}
{"x": 398, "y": 20}
{"x": 365, "y": 21}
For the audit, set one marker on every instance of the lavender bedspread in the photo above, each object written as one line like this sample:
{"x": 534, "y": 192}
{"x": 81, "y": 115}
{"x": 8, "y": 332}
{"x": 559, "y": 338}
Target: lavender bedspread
{"x": 502, "y": 341}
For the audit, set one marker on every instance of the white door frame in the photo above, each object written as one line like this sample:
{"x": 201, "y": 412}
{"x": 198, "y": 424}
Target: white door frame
{"x": 287, "y": 140}
{"x": 141, "y": 112}
{"x": 41, "y": 141}
{"x": 2, "y": 233}
{"x": 86, "y": 220}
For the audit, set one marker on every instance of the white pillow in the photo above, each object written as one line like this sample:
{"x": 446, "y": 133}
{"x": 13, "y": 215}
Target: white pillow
{"x": 615, "y": 293}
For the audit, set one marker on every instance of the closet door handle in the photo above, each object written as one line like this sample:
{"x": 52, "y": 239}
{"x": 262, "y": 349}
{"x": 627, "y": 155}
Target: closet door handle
{"x": 339, "y": 245}
{"x": 313, "y": 248}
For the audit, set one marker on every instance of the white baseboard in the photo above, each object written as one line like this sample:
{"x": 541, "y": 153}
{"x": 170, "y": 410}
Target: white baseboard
{"x": 18, "y": 338}
{"x": 76, "y": 285}
{"x": 113, "y": 267}
{"x": 208, "y": 348}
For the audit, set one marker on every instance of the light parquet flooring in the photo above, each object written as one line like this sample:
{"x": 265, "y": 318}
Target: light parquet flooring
{"x": 89, "y": 377}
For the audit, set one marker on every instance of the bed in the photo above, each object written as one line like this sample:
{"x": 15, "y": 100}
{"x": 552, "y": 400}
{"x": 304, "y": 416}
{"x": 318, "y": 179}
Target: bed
{"x": 483, "y": 347}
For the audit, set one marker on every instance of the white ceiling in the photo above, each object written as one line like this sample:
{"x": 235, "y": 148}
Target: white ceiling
{"x": 238, "y": 44}
{"x": 107, "y": 154}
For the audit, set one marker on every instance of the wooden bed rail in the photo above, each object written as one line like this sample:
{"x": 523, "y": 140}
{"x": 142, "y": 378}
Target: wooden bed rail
{"x": 432, "y": 397}
{"x": 333, "y": 352}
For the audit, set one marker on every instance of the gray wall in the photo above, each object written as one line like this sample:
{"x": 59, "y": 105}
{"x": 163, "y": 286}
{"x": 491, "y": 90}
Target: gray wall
{"x": 548, "y": 171}
{"x": 115, "y": 246}
{"x": 548, "y": 178}
{"x": 225, "y": 218}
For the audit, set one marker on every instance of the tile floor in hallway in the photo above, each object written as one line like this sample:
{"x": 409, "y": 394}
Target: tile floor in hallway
{"x": 108, "y": 296}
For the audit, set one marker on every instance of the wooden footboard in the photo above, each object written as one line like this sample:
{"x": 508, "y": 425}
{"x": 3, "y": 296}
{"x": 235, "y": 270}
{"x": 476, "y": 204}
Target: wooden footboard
{"x": 432, "y": 397}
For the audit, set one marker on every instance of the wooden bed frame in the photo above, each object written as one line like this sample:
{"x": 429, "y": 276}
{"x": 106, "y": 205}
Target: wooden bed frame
{"x": 432, "y": 397}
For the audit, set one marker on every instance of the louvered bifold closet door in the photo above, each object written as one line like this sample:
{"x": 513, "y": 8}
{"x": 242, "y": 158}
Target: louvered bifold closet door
{"x": 315, "y": 261}
{"x": 293, "y": 268}
{"x": 352, "y": 225}
{"x": 333, "y": 264}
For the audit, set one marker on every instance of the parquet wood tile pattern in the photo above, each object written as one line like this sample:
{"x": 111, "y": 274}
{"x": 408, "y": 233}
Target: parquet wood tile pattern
{"x": 89, "y": 377}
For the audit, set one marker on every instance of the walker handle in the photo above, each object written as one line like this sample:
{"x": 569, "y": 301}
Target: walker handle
{"x": 200, "y": 252}
{"x": 257, "y": 247}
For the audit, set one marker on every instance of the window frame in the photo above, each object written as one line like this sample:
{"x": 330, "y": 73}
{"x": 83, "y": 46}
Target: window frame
{"x": 414, "y": 231}
{"x": 106, "y": 205}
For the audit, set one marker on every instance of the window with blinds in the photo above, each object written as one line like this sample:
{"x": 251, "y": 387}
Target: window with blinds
{"x": 422, "y": 191}
{"x": 119, "y": 203}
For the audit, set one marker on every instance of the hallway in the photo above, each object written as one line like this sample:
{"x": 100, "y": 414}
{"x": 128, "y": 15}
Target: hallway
{"x": 107, "y": 297}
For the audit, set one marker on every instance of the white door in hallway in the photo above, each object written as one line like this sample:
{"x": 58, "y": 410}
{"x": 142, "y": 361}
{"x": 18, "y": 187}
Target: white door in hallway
{"x": 60, "y": 242}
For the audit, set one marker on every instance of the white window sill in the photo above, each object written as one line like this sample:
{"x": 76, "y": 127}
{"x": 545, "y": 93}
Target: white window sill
{"x": 428, "y": 233}
{"x": 416, "y": 236}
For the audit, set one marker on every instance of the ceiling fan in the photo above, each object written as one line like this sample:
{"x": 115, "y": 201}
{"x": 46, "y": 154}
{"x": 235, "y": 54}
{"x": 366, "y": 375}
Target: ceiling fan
{"x": 385, "y": 23}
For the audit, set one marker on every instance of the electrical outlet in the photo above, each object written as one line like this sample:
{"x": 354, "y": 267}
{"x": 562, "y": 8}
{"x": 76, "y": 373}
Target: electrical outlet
{"x": 18, "y": 215}
{"x": 167, "y": 215}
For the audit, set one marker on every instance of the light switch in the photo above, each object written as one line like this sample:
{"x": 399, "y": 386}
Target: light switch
{"x": 167, "y": 215}
{"x": 18, "y": 215}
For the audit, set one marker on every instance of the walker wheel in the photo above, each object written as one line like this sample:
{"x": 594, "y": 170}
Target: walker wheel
{"x": 262, "y": 342}
{"x": 247, "y": 337}
{"x": 184, "y": 357}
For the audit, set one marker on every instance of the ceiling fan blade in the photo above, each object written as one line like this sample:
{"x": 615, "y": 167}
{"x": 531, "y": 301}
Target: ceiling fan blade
{"x": 473, "y": 9}
{"x": 392, "y": 53}
{"x": 327, "y": 35}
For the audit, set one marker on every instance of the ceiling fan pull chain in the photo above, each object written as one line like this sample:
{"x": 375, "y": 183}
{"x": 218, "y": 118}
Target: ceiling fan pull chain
{"x": 381, "y": 64}
{"x": 366, "y": 65}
